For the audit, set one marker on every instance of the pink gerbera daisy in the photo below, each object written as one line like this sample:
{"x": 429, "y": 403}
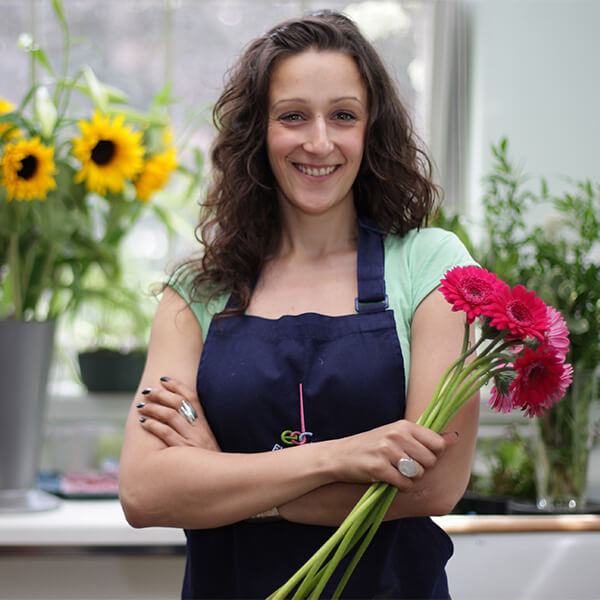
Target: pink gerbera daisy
{"x": 500, "y": 401}
{"x": 566, "y": 377}
{"x": 538, "y": 378}
{"x": 470, "y": 289}
{"x": 501, "y": 397}
{"x": 557, "y": 335}
{"x": 519, "y": 311}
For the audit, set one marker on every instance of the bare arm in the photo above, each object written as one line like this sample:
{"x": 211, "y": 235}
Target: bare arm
{"x": 436, "y": 339}
{"x": 195, "y": 484}
{"x": 188, "y": 482}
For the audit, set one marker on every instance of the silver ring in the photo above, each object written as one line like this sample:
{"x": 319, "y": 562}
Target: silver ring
{"x": 408, "y": 467}
{"x": 187, "y": 410}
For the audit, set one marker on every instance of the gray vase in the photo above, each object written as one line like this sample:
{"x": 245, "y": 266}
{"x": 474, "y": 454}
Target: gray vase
{"x": 25, "y": 356}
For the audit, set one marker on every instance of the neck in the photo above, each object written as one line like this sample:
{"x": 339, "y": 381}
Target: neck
{"x": 311, "y": 237}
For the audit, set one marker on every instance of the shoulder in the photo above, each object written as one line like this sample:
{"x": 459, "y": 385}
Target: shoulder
{"x": 416, "y": 262}
{"x": 429, "y": 241}
{"x": 427, "y": 249}
{"x": 202, "y": 304}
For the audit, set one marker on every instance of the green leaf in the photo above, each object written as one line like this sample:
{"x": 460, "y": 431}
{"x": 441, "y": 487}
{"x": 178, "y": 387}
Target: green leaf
{"x": 41, "y": 57}
{"x": 60, "y": 13}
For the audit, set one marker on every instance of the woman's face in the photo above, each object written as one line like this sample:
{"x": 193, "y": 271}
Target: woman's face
{"x": 317, "y": 121}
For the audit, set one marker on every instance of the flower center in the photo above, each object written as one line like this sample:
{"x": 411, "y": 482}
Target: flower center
{"x": 475, "y": 291}
{"x": 103, "y": 152}
{"x": 519, "y": 312}
{"x": 28, "y": 167}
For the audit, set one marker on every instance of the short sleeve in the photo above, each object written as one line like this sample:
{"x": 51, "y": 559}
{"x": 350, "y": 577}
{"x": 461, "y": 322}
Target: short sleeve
{"x": 414, "y": 266}
{"x": 204, "y": 310}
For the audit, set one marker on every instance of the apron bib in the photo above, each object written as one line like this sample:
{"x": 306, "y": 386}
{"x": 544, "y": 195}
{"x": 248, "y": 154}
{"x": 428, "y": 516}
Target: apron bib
{"x": 270, "y": 384}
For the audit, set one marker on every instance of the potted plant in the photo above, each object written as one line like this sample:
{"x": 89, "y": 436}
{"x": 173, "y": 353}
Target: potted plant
{"x": 115, "y": 332}
{"x": 550, "y": 243}
{"x": 73, "y": 182}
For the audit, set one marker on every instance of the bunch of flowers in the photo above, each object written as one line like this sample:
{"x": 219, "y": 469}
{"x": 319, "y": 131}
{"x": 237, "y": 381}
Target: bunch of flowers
{"x": 522, "y": 350}
{"x": 73, "y": 185}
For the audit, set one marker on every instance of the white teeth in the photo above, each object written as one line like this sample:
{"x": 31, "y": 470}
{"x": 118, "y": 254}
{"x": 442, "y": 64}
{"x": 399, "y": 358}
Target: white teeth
{"x": 315, "y": 172}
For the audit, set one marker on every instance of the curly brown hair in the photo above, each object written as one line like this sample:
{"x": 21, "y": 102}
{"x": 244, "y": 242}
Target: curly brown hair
{"x": 239, "y": 225}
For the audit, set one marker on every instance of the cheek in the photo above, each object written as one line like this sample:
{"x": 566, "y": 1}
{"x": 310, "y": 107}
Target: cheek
{"x": 279, "y": 142}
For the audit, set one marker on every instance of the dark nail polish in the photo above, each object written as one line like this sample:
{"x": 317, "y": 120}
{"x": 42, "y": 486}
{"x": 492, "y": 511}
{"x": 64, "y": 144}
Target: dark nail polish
{"x": 142, "y": 419}
{"x": 140, "y": 405}
{"x": 165, "y": 379}
{"x": 146, "y": 391}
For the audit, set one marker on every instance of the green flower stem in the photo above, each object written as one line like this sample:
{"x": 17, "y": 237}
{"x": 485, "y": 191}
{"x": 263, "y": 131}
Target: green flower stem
{"x": 343, "y": 548}
{"x": 381, "y": 510}
{"x": 450, "y": 393}
{"x": 362, "y": 506}
{"x": 363, "y": 522}
{"x": 353, "y": 536}
{"x": 471, "y": 386}
{"x": 481, "y": 365}
{"x": 362, "y": 526}
{"x": 452, "y": 370}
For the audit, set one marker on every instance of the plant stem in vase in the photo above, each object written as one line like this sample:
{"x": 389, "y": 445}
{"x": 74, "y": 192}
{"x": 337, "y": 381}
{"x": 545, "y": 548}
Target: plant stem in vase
{"x": 563, "y": 445}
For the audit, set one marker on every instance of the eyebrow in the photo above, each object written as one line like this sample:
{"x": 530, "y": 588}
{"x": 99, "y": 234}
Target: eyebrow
{"x": 305, "y": 100}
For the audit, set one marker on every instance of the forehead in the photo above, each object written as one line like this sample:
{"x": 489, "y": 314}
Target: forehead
{"x": 314, "y": 71}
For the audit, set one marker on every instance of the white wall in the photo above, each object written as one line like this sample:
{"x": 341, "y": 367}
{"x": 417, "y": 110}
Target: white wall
{"x": 535, "y": 78}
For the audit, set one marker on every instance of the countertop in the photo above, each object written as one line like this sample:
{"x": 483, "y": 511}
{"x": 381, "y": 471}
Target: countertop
{"x": 102, "y": 523}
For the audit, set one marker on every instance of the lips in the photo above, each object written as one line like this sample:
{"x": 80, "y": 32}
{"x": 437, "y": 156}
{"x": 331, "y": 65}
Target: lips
{"x": 315, "y": 171}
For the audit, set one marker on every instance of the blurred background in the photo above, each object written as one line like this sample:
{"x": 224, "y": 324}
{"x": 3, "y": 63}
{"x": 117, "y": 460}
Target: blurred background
{"x": 473, "y": 73}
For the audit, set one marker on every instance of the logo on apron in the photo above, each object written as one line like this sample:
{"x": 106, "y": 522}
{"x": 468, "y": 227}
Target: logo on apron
{"x": 295, "y": 438}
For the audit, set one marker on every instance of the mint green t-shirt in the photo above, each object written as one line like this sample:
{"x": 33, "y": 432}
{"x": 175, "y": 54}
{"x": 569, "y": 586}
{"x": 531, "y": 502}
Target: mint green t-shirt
{"x": 414, "y": 265}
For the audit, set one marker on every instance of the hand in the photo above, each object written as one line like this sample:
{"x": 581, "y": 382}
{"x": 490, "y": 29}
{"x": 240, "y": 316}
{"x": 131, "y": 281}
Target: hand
{"x": 159, "y": 414}
{"x": 373, "y": 455}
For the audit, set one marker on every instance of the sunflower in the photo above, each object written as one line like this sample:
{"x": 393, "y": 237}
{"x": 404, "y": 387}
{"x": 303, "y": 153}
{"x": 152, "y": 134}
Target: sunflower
{"x": 156, "y": 173}
{"x": 6, "y": 107}
{"x": 109, "y": 153}
{"x": 28, "y": 169}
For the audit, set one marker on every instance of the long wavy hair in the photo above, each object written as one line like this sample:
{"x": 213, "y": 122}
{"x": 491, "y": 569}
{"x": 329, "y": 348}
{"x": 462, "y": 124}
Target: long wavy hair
{"x": 239, "y": 224}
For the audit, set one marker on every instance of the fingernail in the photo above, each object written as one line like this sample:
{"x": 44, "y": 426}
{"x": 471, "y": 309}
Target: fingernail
{"x": 457, "y": 434}
{"x": 165, "y": 379}
{"x": 146, "y": 391}
{"x": 140, "y": 405}
{"x": 142, "y": 419}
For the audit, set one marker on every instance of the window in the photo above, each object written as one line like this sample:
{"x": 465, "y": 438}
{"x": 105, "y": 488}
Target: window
{"x": 138, "y": 45}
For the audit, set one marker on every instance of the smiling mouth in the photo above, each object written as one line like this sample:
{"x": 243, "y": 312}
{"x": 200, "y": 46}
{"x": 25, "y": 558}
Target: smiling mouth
{"x": 315, "y": 171}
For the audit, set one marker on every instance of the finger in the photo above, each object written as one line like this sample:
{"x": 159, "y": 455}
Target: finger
{"x": 164, "y": 414}
{"x": 450, "y": 437}
{"x": 173, "y": 401}
{"x": 165, "y": 433}
{"x": 161, "y": 396}
{"x": 409, "y": 468}
{"x": 429, "y": 439}
{"x": 176, "y": 387}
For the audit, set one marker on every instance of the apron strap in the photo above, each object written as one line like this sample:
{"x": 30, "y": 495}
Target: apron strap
{"x": 370, "y": 270}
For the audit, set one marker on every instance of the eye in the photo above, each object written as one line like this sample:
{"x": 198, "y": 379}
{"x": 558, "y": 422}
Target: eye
{"x": 291, "y": 117}
{"x": 344, "y": 115}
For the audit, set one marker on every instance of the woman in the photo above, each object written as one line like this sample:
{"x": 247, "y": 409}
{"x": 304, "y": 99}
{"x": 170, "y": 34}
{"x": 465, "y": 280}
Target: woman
{"x": 288, "y": 366}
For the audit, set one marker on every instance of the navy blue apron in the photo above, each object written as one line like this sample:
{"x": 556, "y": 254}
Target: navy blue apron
{"x": 270, "y": 384}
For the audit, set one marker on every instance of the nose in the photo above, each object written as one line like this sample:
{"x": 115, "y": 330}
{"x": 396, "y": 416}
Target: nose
{"x": 318, "y": 140}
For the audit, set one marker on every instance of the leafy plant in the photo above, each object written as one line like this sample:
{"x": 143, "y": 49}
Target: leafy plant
{"x": 508, "y": 470}
{"x": 73, "y": 185}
